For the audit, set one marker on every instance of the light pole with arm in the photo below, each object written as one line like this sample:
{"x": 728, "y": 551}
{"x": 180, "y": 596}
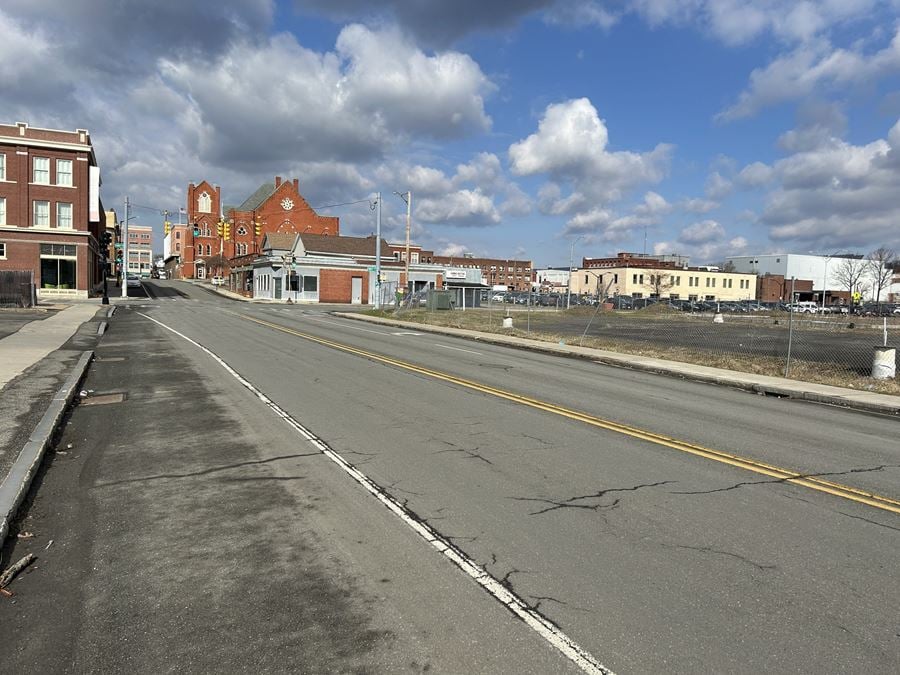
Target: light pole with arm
{"x": 407, "y": 197}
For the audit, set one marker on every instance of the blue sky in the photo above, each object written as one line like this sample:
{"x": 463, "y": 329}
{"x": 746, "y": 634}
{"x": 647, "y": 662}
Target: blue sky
{"x": 717, "y": 127}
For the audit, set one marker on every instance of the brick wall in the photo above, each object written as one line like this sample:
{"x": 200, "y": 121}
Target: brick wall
{"x": 335, "y": 285}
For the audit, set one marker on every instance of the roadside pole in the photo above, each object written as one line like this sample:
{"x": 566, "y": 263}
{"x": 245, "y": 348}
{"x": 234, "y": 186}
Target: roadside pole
{"x": 124, "y": 231}
{"x": 787, "y": 365}
{"x": 377, "y": 250}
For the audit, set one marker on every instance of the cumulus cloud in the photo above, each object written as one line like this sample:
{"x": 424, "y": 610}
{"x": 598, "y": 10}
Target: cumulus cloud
{"x": 837, "y": 195}
{"x": 717, "y": 186}
{"x": 696, "y": 205}
{"x": 463, "y": 208}
{"x": 703, "y": 232}
{"x": 755, "y": 175}
{"x": 571, "y": 146}
{"x": 811, "y": 67}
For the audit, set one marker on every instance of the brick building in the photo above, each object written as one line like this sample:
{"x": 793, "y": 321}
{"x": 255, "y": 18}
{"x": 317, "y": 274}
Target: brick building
{"x": 775, "y": 288}
{"x": 276, "y": 207}
{"x": 516, "y": 275}
{"x": 50, "y": 211}
{"x": 140, "y": 250}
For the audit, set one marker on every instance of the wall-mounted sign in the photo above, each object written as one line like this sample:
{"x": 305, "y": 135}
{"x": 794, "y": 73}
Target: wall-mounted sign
{"x": 455, "y": 274}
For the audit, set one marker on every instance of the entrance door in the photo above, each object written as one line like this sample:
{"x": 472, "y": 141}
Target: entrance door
{"x": 356, "y": 291}
{"x": 278, "y": 288}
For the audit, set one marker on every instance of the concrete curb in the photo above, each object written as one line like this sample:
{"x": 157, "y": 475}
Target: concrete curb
{"x": 760, "y": 384}
{"x": 16, "y": 484}
{"x": 101, "y": 328}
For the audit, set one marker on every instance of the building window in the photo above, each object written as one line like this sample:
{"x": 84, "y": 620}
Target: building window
{"x": 2, "y": 166}
{"x": 2, "y": 210}
{"x": 177, "y": 247}
{"x": 634, "y": 278}
{"x": 64, "y": 172}
{"x": 707, "y": 282}
{"x": 41, "y": 170}
{"x": 241, "y": 231}
{"x": 615, "y": 278}
{"x": 414, "y": 258}
{"x": 204, "y": 203}
{"x": 63, "y": 216}
{"x": 208, "y": 250}
{"x": 2, "y": 250}
{"x": 58, "y": 266}
{"x": 178, "y": 234}
{"x": 678, "y": 281}
{"x": 41, "y": 215}
{"x": 199, "y": 249}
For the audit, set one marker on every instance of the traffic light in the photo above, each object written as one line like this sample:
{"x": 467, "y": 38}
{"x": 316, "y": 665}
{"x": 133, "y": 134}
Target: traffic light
{"x": 196, "y": 230}
{"x": 257, "y": 228}
{"x": 105, "y": 238}
{"x": 167, "y": 227}
{"x": 219, "y": 228}
{"x": 226, "y": 230}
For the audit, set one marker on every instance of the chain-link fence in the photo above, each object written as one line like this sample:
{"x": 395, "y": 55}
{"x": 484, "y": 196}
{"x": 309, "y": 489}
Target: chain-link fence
{"x": 836, "y": 348}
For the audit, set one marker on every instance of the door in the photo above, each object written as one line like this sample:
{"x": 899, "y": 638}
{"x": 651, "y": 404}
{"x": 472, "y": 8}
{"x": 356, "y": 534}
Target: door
{"x": 278, "y": 288}
{"x": 356, "y": 291}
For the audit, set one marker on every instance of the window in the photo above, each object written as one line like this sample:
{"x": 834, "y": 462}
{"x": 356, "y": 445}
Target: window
{"x": 2, "y": 210}
{"x": 204, "y": 203}
{"x": 242, "y": 231}
{"x": 707, "y": 282}
{"x": 177, "y": 247}
{"x": 2, "y": 250}
{"x": 58, "y": 266}
{"x": 63, "y": 216}
{"x": 41, "y": 215}
{"x": 178, "y": 234}
{"x": 2, "y": 166}
{"x": 64, "y": 172}
{"x": 414, "y": 258}
{"x": 41, "y": 170}
{"x": 208, "y": 249}
{"x": 615, "y": 278}
{"x": 585, "y": 278}
{"x": 678, "y": 281}
{"x": 634, "y": 278}
{"x": 713, "y": 283}
{"x": 641, "y": 279}
{"x": 199, "y": 249}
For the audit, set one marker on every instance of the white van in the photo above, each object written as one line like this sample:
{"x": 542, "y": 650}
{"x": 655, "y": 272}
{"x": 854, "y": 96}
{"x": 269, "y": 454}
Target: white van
{"x": 806, "y": 307}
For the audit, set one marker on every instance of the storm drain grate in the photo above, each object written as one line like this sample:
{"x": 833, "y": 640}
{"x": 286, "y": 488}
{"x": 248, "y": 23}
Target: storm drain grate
{"x": 103, "y": 399}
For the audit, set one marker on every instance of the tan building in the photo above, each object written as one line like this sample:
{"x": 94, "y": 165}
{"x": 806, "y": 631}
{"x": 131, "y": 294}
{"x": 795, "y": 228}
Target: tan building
{"x": 690, "y": 283}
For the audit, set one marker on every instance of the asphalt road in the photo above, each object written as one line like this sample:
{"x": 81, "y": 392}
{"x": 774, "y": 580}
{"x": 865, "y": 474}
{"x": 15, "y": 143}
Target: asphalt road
{"x": 537, "y": 468}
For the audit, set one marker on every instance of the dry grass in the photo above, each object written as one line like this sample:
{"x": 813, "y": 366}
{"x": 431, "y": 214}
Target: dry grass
{"x": 804, "y": 371}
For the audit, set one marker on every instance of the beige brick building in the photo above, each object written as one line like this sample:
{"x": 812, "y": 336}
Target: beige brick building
{"x": 689, "y": 283}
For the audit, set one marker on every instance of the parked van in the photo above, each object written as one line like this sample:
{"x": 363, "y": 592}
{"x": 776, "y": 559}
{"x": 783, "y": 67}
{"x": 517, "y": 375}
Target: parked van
{"x": 806, "y": 307}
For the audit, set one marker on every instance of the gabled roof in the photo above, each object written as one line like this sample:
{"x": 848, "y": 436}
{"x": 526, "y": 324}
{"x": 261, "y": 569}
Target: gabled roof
{"x": 280, "y": 241}
{"x": 320, "y": 243}
{"x": 263, "y": 192}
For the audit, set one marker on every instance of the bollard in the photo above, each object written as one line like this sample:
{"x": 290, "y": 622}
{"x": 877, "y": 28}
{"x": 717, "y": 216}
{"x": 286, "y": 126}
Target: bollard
{"x": 884, "y": 363}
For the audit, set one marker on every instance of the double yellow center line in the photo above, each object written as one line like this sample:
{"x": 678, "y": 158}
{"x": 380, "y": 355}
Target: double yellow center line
{"x": 778, "y": 473}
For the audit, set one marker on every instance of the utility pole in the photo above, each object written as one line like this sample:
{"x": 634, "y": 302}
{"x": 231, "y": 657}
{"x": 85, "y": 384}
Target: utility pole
{"x": 125, "y": 251}
{"x": 378, "y": 250}
{"x": 407, "y": 197}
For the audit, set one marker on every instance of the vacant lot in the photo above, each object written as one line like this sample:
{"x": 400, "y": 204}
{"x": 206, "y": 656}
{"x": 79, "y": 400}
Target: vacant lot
{"x": 831, "y": 350}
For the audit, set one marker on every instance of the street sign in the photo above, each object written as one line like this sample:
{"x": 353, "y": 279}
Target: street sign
{"x": 371, "y": 268}
{"x": 118, "y": 244}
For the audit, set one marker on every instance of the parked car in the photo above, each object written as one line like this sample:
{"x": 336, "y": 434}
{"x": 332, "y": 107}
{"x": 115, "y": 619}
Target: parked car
{"x": 218, "y": 281}
{"x": 132, "y": 281}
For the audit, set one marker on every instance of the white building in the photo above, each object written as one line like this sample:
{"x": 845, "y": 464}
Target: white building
{"x": 552, "y": 278}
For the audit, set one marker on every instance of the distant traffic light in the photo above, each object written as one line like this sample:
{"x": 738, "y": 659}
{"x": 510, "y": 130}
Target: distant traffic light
{"x": 257, "y": 228}
{"x": 226, "y": 230}
{"x": 196, "y": 230}
{"x": 167, "y": 227}
{"x": 219, "y": 228}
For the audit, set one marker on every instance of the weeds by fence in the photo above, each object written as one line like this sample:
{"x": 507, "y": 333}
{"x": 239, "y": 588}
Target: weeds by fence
{"x": 829, "y": 349}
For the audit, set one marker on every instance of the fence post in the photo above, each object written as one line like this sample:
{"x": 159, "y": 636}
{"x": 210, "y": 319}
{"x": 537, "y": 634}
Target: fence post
{"x": 787, "y": 365}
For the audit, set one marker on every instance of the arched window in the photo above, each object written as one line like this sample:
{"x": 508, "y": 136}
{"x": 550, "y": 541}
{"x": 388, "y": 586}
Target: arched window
{"x": 208, "y": 250}
{"x": 204, "y": 203}
{"x": 199, "y": 249}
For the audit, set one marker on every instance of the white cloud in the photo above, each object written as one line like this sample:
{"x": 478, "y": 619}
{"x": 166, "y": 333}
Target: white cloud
{"x": 696, "y": 205}
{"x": 811, "y": 67}
{"x": 717, "y": 186}
{"x": 755, "y": 175}
{"x": 468, "y": 208}
{"x": 570, "y": 146}
{"x": 703, "y": 232}
{"x": 837, "y": 195}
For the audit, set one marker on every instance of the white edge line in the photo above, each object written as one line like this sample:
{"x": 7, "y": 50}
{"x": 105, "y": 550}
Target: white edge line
{"x": 344, "y": 325}
{"x": 537, "y": 622}
{"x": 468, "y": 351}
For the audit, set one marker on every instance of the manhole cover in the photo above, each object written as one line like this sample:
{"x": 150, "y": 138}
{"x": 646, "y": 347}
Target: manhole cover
{"x": 103, "y": 399}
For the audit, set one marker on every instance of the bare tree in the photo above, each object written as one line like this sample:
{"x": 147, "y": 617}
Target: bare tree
{"x": 849, "y": 273}
{"x": 880, "y": 269}
{"x": 659, "y": 282}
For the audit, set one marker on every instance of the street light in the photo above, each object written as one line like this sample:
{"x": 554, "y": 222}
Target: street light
{"x": 571, "y": 259}
{"x": 407, "y": 197}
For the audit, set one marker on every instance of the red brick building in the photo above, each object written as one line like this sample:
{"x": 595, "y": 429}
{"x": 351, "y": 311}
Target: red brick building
{"x": 50, "y": 210}
{"x": 276, "y": 207}
{"x": 516, "y": 275}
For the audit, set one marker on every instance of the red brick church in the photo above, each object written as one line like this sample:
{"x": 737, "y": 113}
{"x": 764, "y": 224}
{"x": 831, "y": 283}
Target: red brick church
{"x": 225, "y": 232}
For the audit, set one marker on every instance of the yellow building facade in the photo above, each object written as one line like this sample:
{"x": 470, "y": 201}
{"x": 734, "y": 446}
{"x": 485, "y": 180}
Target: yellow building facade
{"x": 674, "y": 284}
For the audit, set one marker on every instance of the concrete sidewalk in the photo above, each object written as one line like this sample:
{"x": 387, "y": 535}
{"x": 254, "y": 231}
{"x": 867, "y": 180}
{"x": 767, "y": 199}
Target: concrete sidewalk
{"x": 37, "y": 339}
{"x": 762, "y": 384}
